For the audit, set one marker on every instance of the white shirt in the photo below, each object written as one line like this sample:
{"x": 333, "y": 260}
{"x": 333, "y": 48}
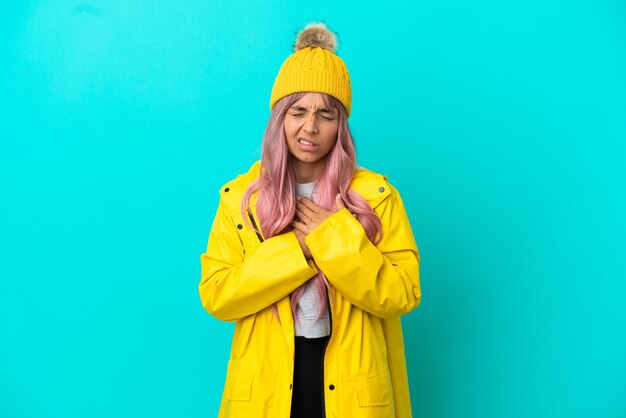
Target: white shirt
{"x": 308, "y": 305}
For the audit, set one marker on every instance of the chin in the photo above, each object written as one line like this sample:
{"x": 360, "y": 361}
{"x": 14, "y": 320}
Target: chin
{"x": 309, "y": 160}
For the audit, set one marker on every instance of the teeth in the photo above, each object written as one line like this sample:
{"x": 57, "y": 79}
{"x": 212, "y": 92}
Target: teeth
{"x": 302, "y": 141}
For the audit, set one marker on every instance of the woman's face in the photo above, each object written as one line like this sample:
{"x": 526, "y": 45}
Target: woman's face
{"x": 311, "y": 129}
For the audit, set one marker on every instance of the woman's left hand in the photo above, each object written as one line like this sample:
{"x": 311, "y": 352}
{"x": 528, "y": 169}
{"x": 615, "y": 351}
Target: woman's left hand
{"x": 311, "y": 215}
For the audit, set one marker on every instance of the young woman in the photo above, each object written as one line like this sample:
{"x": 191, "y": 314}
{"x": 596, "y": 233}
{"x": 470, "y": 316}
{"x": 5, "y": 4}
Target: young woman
{"x": 314, "y": 258}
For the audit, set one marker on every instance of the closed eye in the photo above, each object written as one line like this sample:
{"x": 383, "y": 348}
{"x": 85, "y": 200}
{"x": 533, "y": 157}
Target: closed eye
{"x": 297, "y": 115}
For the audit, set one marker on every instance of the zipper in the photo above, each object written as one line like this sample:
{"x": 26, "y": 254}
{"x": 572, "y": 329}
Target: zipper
{"x": 330, "y": 318}
{"x": 255, "y": 227}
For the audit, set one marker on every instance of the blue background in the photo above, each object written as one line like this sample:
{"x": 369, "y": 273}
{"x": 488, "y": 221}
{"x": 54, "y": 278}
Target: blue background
{"x": 501, "y": 123}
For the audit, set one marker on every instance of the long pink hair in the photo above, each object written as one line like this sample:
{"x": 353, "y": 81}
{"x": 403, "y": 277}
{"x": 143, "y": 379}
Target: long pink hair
{"x": 276, "y": 203}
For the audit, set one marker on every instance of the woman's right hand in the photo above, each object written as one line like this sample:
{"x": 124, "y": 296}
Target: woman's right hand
{"x": 305, "y": 249}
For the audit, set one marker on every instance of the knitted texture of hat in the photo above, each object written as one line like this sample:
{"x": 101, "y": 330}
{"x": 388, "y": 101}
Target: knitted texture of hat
{"x": 314, "y": 67}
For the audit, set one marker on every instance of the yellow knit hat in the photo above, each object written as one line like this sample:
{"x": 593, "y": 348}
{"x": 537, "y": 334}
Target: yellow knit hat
{"x": 314, "y": 67}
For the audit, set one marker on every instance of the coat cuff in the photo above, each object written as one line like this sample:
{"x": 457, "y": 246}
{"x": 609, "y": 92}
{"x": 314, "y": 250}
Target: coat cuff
{"x": 339, "y": 231}
{"x": 292, "y": 254}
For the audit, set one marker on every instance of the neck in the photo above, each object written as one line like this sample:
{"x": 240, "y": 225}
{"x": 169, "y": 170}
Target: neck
{"x": 308, "y": 172}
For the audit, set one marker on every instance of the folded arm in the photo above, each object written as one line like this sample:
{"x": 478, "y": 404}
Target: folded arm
{"x": 233, "y": 285}
{"x": 381, "y": 279}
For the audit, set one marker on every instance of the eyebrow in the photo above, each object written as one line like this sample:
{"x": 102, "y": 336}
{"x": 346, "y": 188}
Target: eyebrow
{"x": 303, "y": 109}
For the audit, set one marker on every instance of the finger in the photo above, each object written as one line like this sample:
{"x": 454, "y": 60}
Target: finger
{"x": 300, "y": 227}
{"x": 308, "y": 203}
{"x": 339, "y": 202}
{"x": 302, "y": 216}
{"x": 302, "y": 207}
{"x": 304, "y": 213}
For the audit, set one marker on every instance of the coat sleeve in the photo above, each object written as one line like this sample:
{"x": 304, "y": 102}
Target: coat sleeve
{"x": 234, "y": 285}
{"x": 382, "y": 279}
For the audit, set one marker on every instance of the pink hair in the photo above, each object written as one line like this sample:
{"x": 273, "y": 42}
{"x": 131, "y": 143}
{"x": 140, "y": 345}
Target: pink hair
{"x": 276, "y": 203}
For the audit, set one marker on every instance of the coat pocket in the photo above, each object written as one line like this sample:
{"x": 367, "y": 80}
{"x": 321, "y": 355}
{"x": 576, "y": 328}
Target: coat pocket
{"x": 374, "y": 388}
{"x": 240, "y": 385}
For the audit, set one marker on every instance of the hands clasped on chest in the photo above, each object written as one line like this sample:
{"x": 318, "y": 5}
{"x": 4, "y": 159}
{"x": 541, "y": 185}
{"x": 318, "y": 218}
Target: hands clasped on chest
{"x": 309, "y": 216}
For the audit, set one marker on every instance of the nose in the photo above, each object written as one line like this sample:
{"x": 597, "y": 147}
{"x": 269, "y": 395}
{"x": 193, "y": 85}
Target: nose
{"x": 309, "y": 125}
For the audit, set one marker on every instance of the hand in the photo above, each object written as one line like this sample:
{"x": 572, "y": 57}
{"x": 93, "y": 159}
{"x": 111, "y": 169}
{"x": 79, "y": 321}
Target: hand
{"x": 310, "y": 215}
{"x": 305, "y": 249}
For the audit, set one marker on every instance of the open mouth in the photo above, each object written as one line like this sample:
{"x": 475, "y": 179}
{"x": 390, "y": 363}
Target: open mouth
{"x": 307, "y": 142}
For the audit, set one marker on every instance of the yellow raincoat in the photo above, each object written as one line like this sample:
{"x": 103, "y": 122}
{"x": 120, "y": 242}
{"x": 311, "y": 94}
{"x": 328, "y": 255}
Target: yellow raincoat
{"x": 243, "y": 275}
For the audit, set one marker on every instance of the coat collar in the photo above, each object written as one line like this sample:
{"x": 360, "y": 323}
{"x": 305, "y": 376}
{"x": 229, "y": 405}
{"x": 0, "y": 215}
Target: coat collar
{"x": 372, "y": 186}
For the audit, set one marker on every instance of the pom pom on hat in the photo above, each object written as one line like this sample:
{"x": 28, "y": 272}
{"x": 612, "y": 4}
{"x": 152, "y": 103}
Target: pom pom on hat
{"x": 316, "y": 35}
{"x": 314, "y": 67}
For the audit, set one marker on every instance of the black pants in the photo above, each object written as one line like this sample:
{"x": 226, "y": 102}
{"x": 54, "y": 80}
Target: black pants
{"x": 308, "y": 378}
